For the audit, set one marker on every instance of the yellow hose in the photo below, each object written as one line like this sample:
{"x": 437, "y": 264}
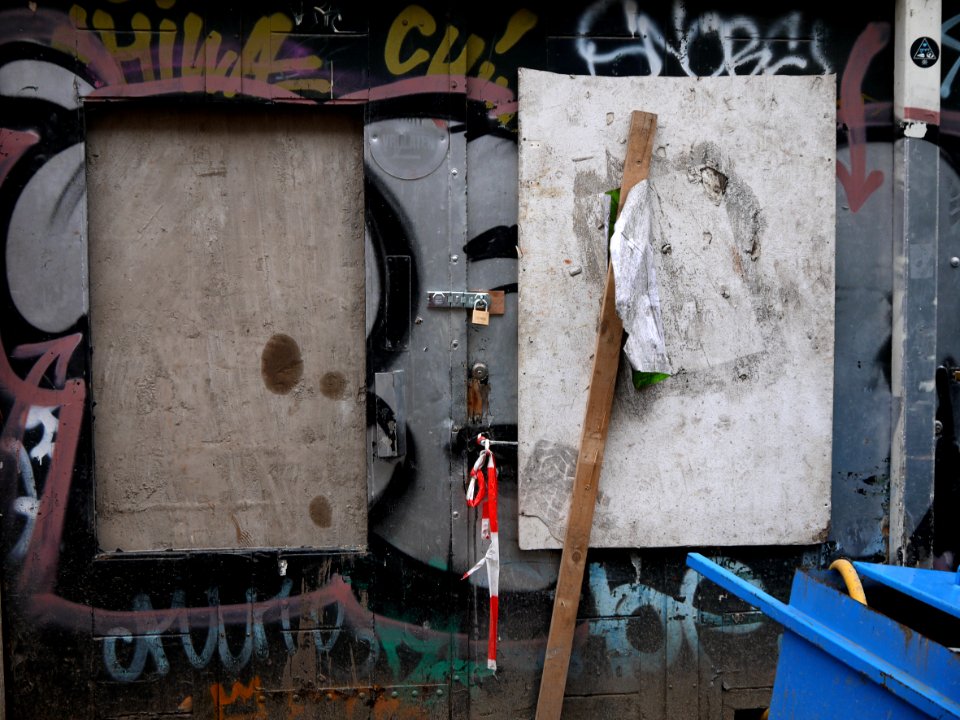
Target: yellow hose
{"x": 766, "y": 714}
{"x": 850, "y": 579}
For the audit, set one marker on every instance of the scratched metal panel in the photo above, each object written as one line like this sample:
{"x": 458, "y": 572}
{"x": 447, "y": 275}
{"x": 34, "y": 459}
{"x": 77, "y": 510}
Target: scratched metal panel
{"x": 862, "y": 416}
{"x": 226, "y": 259}
{"x": 416, "y": 168}
{"x": 734, "y": 449}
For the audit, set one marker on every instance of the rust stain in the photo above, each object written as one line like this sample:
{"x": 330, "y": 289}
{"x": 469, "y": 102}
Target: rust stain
{"x": 243, "y": 537}
{"x": 737, "y": 261}
{"x": 250, "y": 697}
{"x": 474, "y": 400}
{"x": 391, "y": 709}
{"x": 320, "y": 512}
{"x": 294, "y": 709}
{"x": 281, "y": 364}
{"x": 333, "y": 385}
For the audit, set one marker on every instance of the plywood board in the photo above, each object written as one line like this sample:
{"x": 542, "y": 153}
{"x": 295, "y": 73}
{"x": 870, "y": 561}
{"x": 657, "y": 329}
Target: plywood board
{"x": 227, "y": 314}
{"x": 734, "y": 449}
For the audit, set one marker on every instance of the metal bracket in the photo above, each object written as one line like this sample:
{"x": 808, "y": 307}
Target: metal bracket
{"x": 391, "y": 414}
{"x": 456, "y": 299}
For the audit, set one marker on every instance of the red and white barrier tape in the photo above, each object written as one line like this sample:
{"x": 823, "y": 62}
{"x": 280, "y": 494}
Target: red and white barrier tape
{"x": 483, "y": 489}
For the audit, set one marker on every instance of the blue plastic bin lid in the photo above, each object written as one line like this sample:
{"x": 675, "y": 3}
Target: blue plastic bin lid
{"x": 937, "y": 588}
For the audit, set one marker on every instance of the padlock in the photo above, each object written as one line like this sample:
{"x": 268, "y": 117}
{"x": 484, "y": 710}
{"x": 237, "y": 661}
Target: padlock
{"x": 481, "y": 312}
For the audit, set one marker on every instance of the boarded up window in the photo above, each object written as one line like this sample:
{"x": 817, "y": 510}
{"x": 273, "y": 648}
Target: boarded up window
{"x": 227, "y": 320}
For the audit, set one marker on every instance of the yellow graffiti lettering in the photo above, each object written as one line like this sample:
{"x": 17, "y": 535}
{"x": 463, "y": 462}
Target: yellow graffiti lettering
{"x": 78, "y": 16}
{"x": 260, "y": 56}
{"x": 153, "y": 52}
{"x": 137, "y": 51}
{"x": 444, "y": 58}
{"x": 411, "y": 17}
{"x": 192, "y": 60}
{"x": 519, "y": 24}
{"x": 166, "y": 41}
{"x": 486, "y": 71}
{"x": 475, "y": 48}
{"x": 213, "y": 62}
{"x": 257, "y": 54}
{"x": 206, "y": 58}
{"x": 441, "y": 64}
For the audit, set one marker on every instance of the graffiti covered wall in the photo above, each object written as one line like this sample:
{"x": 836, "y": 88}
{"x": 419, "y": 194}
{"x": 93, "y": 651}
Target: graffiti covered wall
{"x": 394, "y": 631}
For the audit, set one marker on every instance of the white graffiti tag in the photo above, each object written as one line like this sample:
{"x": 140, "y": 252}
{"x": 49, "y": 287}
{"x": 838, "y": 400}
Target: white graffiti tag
{"x": 720, "y": 44}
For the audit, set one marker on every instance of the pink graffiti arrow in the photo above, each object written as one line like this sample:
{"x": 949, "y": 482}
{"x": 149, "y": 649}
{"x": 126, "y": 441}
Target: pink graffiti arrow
{"x": 13, "y": 144}
{"x": 858, "y": 185}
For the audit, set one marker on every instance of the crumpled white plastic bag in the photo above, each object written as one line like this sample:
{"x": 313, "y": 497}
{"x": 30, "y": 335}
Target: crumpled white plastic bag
{"x": 635, "y": 277}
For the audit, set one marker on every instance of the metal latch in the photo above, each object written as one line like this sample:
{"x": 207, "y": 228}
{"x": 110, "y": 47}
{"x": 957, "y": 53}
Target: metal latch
{"x": 456, "y": 299}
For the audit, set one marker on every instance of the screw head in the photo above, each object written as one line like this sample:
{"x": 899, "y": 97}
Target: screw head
{"x": 955, "y": 261}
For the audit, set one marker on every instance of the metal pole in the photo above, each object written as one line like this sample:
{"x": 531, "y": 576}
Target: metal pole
{"x": 916, "y": 192}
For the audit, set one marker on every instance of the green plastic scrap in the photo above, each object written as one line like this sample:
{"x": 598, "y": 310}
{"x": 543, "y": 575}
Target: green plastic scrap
{"x": 643, "y": 379}
{"x": 614, "y": 204}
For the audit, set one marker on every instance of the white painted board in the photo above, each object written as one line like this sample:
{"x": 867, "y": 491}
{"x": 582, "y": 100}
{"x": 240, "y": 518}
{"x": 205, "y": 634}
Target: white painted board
{"x": 735, "y": 447}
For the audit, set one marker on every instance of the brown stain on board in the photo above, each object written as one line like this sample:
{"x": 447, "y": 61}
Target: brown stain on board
{"x": 320, "y": 512}
{"x": 737, "y": 262}
{"x": 281, "y": 364}
{"x": 333, "y": 385}
{"x": 243, "y": 537}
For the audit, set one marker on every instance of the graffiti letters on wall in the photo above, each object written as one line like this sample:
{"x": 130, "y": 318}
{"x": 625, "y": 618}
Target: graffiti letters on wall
{"x": 705, "y": 44}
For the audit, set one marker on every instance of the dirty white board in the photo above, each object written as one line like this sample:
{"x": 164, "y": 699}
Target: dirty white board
{"x": 735, "y": 447}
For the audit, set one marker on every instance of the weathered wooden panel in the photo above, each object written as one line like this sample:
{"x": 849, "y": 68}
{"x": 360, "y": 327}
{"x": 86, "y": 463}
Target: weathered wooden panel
{"x": 226, "y": 283}
{"x": 734, "y": 449}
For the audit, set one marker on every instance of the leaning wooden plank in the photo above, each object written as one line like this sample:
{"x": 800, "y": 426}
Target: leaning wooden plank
{"x": 590, "y": 459}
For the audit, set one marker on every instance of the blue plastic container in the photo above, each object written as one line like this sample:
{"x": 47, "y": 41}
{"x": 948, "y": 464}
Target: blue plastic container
{"x": 841, "y": 659}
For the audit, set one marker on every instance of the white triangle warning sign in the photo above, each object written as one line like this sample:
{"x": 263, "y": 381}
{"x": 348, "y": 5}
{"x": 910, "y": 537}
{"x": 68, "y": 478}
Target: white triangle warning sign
{"x": 925, "y": 52}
